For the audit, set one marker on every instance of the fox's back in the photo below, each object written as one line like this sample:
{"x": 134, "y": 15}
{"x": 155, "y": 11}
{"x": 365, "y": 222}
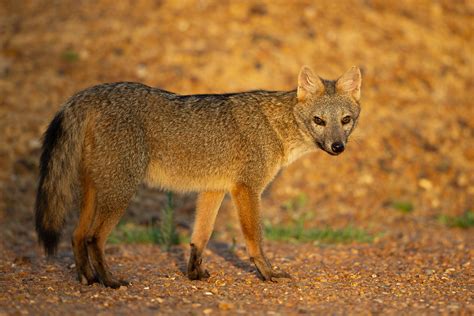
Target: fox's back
{"x": 192, "y": 142}
{"x": 209, "y": 141}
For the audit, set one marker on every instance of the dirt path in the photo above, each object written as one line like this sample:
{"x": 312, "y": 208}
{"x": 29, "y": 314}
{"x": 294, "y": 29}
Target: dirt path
{"x": 418, "y": 273}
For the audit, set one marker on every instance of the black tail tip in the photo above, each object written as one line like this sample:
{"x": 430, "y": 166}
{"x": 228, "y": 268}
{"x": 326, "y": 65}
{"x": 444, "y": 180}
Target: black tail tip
{"x": 50, "y": 241}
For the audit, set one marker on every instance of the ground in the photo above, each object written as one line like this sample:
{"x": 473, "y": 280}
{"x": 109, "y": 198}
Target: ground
{"x": 406, "y": 179}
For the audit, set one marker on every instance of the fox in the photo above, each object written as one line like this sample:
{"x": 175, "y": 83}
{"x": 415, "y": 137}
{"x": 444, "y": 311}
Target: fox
{"x": 108, "y": 139}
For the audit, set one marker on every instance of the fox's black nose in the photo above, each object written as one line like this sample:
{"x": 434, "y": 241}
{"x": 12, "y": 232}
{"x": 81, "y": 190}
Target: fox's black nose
{"x": 337, "y": 147}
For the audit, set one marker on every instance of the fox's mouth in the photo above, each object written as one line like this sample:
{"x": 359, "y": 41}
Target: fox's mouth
{"x": 324, "y": 149}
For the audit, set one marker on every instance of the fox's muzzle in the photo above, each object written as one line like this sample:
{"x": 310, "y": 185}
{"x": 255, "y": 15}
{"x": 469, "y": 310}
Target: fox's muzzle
{"x": 337, "y": 147}
{"x": 333, "y": 149}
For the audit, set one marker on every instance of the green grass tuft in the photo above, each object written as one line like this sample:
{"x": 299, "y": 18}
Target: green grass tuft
{"x": 168, "y": 235}
{"x": 466, "y": 220}
{"x": 165, "y": 234}
{"x": 296, "y": 203}
{"x": 130, "y": 233}
{"x": 70, "y": 56}
{"x": 297, "y": 233}
{"x": 402, "y": 206}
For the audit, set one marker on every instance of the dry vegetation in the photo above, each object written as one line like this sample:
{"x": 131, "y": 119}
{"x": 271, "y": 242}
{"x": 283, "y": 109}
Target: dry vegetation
{"x": 406, "y": 181}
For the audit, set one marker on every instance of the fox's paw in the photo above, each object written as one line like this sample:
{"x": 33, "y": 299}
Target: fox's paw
{"x": 268, "y": 273}
{"x": 276, "y": 276}
{"x": 115, "y": 283}
{"x": 87, "y": 278}
{"x": 196, "y": 272}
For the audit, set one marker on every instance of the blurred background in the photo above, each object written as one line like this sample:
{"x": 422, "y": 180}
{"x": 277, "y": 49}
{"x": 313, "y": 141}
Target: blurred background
{"x": 408, "y": 170}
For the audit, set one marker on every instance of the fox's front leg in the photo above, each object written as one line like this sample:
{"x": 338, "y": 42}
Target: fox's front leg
{"x": 247, "y": 202}
{"x": 207, "y": 206}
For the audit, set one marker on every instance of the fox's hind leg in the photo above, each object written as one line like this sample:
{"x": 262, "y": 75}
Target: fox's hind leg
{"x": 116, "y": 159}
{"x": 85, "y": 272}
{"x": 97, "y": 237}
{"x": 207, "y": 206}
{"x": 115, "y": 189}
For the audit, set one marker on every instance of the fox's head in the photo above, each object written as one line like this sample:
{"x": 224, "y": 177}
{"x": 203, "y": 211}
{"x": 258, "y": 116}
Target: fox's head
{"x": 327, "y": 110}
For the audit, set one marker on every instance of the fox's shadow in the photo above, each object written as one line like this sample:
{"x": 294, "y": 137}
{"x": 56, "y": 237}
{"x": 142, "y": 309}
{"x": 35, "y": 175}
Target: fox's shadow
{"x": 225, "y": 252}
{"x": 221, "y": 249}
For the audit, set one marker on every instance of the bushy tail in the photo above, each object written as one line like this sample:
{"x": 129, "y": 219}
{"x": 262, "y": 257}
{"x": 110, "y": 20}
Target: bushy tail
{"x": 59, "y": 169}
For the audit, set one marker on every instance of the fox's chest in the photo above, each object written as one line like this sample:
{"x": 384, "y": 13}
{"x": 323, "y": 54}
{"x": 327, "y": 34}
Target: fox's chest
{"x": 295, "y": 152}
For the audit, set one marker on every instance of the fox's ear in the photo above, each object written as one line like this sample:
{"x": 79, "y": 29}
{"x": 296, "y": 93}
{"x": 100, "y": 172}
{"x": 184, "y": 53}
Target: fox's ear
{"x": 308, "y": 84}
{"x": 350, "y": 82}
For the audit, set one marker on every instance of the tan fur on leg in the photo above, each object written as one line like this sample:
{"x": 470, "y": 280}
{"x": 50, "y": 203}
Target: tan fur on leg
{"x": 84, "y": 269}
{"x": 248, "y": 206}
{"x": 207, "y": 207}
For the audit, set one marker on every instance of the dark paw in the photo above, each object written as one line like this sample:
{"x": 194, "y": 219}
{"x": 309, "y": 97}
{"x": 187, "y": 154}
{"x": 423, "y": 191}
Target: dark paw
{"x": 87, "y": 279}
{"x": 272, "y": 275}
{"x": 267, "y": 273}
{"x": 276, "y": 276}
{"x": 195, "y": 271}
{"x": 115, "y": 283}
{"x": 198, "y": 274}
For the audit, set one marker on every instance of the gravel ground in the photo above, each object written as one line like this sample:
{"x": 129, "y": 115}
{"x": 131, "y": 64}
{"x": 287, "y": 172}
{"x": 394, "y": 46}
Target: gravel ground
{"x": 413, "y": 274}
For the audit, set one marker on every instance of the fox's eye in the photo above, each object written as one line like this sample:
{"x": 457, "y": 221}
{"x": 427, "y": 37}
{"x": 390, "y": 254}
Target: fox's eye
{"x": 319, "y": 121}
{"x": 346, "y": 120}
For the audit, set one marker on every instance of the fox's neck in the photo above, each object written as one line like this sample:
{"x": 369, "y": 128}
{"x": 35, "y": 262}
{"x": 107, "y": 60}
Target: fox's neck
{"x": 279, "y": 110}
